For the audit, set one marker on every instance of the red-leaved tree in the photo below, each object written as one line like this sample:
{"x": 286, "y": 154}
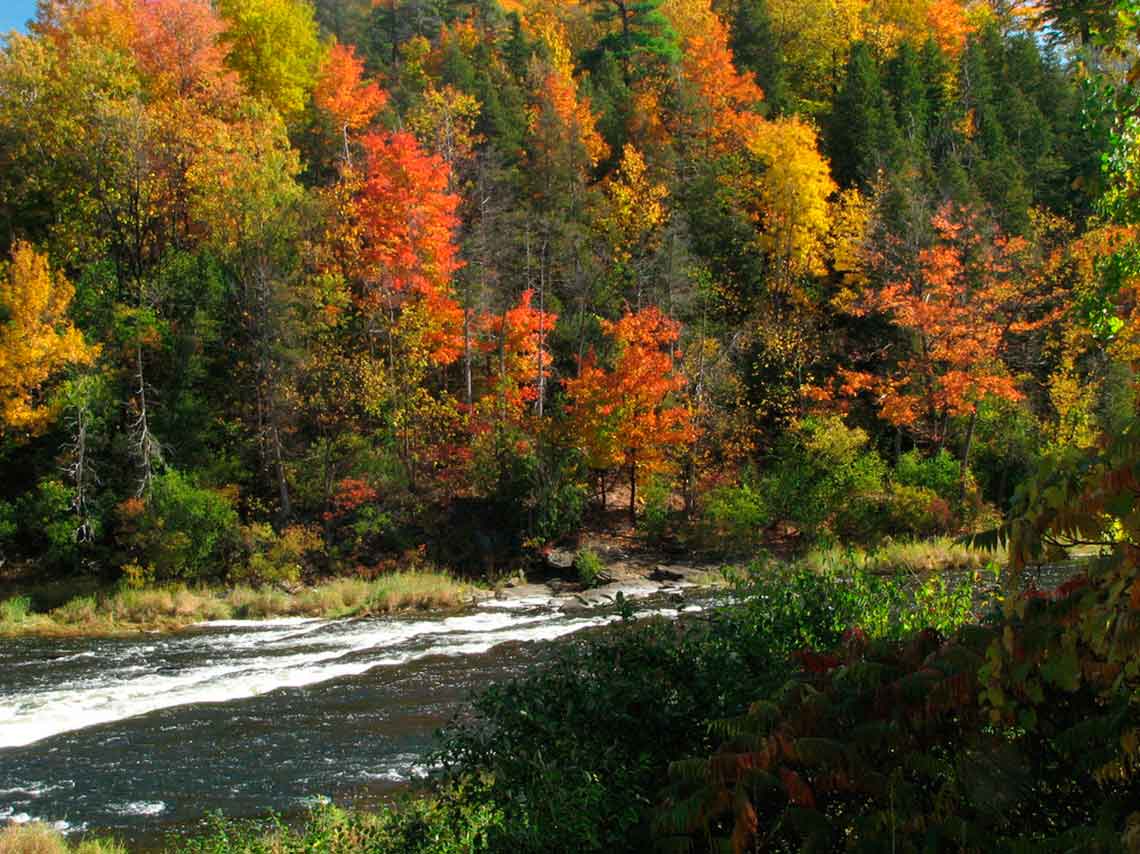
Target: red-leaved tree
{"x": 626, "y": 416}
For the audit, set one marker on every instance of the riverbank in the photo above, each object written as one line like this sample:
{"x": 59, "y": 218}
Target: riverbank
{"x": 605, "y": 713}
{"x": 115, "y": 610}
{"x": 119, "y": 611}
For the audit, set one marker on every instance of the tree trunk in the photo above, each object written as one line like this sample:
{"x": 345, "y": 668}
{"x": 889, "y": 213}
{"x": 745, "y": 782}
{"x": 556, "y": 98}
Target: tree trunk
{"x": 965, "y": 469}
{"x": 146, "y": 447}
{"x": 541, "y": 340}
{"x": 282, "y": 480}
{"x": 633, "y": 491}
{"x": 467, "y": 391}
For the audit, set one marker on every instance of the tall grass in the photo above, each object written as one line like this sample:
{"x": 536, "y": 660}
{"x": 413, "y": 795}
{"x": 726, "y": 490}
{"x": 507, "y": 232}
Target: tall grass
{"x": 940, "y": 554}
{"x": 172, "y": 606}
{"x": 15, "y": 611}
{"x": 38, "y": 838}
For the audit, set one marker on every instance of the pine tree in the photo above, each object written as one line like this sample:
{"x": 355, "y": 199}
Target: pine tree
{"x": 755, "y": 49}
{"x": 640, "y": 36}
{"x": 864, "y": 137}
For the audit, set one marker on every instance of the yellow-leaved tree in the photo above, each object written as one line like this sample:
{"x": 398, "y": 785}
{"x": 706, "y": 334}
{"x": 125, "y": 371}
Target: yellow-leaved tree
{"x": 793, "y": 195}
{"x": 37, "y": 340}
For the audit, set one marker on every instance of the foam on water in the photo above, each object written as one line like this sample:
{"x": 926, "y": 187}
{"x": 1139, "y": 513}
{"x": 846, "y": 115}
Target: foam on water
{"x": 7, "y": 815}
{"x": 140, "y": 808}
{"x": 258, "y": 624}
{"x": 261, "y": 659}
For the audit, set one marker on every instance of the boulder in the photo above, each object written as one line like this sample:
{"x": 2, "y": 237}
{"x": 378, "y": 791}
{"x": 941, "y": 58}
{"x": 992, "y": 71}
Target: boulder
{"x": 664, "y": 573}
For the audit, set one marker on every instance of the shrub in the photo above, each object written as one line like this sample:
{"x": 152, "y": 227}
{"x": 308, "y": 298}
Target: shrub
{"x": 573, "y": 754}
{"x": 589, "y": 567}
{"x": 821, "y": 466}
{"x": 15, "y": 610}
{"x": 1018, "y": 734}
{"x": 272, "y": 558}
{"x": 734, "y": 517}
{"x": 915, "y": 511}
{"x": 654, "y": 519}
{"x": 459, "y": 824}
{"x": 1008, "y": 442}
{"x": 536, "y": 493}
{"x": 558, "y": 494}
{"x": 941, "y": 474}
{"x": 891, "y": 745}
{"x": 49, "y": 517}
{"x": 180, "y": 531}
{"x": 7, "y": 524}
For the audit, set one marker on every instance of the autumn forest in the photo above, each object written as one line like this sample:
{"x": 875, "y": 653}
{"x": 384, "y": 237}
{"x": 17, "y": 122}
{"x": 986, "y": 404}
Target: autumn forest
{"x": 347, "y": 307}
{"x": 327, "y": 281}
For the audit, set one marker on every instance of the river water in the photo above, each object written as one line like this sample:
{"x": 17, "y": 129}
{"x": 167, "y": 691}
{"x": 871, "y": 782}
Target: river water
{"x": 137, "y": 737}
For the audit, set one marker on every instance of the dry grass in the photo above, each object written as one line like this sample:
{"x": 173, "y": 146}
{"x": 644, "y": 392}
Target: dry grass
{"x": 249, "y": 603}
{"x": 174, "y": 606}
{"x": 38, "y": 838}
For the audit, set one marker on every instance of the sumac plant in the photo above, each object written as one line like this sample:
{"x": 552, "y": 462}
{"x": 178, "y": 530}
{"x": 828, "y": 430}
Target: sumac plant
{"x": 1022, "y": 734}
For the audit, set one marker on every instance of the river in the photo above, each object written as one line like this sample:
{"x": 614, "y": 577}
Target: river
{"x": 138, "y": 737}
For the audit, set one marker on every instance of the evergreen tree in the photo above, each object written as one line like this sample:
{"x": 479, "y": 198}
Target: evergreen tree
{"x": 756, "y": 50}
{"x": 639, "y": 35}
{"x": 864, "y": 137}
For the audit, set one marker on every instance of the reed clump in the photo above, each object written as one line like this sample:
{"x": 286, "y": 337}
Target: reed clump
{"x": 124, "y": 610}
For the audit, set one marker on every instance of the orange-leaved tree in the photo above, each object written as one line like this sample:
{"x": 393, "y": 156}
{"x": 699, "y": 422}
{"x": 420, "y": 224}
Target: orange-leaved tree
{"x": 626, "y": 416}
{"x": 956, "y": 314}
{"x": 408, "y": 221}
{"x": 37, "y": 340}
{"x": 516, "y": 342}
{"x": 344, "y": 95}
{"x": 178, "y": 49}
{"x": 402, "y": 256}
{"x": 718, "y": 103}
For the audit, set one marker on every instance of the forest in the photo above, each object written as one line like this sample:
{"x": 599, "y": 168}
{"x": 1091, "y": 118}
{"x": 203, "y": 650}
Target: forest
{"x": 297, "y": 290}
{"x": 298, "y": 293}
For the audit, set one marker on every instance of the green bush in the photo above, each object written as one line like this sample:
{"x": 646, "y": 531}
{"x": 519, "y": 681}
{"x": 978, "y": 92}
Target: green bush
{"x": 15, "y": 610}
{"x": 820, "y": 467}
{"x": 8, "y": 526}
{"x": 48, "y": 516}
{"x": 7, "y": 522}
{"x": 733, "y": 518}
{"x": 180, "y": 531}
{"x": 272, "y": 558}
{"x": 914, "y": 511}
{"x": 589, "y": 567}
{"x": 573, "y": 755}
{"x": 941, "y": 474}
{"x": 559, "y": 500}
{"x": 654, "y": 519}
{"x": 1008, "y": 441}
{"x": 458, "y": 824}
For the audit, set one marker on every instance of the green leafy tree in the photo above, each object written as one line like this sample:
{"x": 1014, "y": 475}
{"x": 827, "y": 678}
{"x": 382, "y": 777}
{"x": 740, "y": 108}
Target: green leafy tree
{"x": 274, "y": 45}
